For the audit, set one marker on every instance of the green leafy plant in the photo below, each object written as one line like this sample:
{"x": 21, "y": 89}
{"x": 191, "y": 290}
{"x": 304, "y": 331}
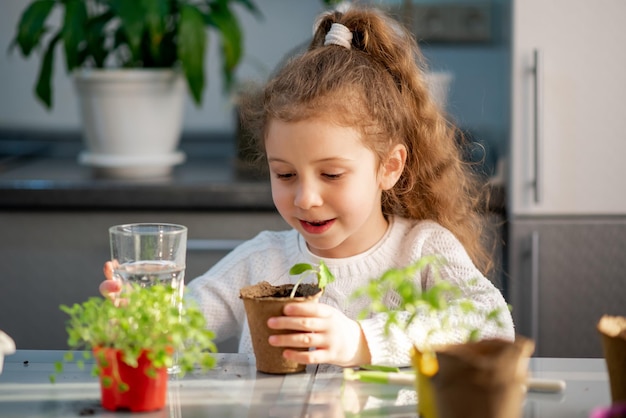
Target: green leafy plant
{"x": 322, "y": 273}
{"x": 132, "y": 34}
{"x": 442, "y": 307}
{"x": 149, "y": 318}
{"x": 442, "y": 301}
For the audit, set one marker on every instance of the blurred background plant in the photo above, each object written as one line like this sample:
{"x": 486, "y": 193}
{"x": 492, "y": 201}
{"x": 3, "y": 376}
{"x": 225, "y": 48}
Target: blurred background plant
{"x": 132, "y": 34}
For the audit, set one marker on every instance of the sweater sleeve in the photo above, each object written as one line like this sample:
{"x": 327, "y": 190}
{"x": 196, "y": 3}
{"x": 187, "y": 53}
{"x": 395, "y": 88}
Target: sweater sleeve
{"x": 393, "y": 347}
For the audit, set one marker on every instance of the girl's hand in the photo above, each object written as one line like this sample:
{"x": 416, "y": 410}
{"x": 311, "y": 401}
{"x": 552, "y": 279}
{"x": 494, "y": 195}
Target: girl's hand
{"x": 336, "y": 338}
{"x": 110, "y": 287}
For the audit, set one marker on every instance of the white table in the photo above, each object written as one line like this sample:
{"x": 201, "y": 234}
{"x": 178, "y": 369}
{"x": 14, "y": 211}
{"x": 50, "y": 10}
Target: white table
{"x": 235, "y": 389}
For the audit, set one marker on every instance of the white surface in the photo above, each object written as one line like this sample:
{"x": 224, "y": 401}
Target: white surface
{"x": 235, "y": 389}
{"x": 584, "y": 91}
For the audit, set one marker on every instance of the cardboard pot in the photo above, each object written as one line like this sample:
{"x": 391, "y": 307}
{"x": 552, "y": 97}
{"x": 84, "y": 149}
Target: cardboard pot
{"x": 613, "y": 333}
{"x": 122, "y": 387}
{"x": 263, "y": 301}
{"x": 482, "y": 379}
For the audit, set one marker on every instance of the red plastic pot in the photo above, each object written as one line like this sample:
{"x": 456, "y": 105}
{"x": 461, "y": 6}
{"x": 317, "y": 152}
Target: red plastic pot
{"x": 139, "y": 392}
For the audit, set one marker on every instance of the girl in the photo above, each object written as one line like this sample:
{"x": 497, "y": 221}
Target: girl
{"x": 366, "y": 169}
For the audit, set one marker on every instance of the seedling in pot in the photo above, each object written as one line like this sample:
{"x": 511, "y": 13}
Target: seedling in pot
{"x": 441, "y": 302}
{"x": 263, "y": 300}
{"x": 321, "y": 271}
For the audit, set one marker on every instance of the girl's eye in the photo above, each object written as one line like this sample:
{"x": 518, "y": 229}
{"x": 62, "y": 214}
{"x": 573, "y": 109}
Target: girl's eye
{"x": 332, "y": 176}
{"x": 284, "y": 176}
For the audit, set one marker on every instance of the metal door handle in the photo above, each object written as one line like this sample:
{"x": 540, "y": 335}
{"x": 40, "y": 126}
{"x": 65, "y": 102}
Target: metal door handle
{"x": 537, "y": 71}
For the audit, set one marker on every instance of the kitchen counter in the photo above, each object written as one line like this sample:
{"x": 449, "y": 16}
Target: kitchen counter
{"x": 47, "y": 175}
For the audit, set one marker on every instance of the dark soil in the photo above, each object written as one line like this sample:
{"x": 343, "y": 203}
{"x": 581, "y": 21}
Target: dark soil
{"x": 304, "y": 290}
{"x": 266, "y": 290}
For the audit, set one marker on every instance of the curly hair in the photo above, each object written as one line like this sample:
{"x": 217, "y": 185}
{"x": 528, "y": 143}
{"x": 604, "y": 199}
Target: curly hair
{"x": 378, "y": 87}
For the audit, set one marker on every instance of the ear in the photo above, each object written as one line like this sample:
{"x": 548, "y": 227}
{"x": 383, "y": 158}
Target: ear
{"x": 392, "y": 167}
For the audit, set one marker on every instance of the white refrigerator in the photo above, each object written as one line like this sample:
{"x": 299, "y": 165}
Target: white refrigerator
{"x": 566, "y": 189}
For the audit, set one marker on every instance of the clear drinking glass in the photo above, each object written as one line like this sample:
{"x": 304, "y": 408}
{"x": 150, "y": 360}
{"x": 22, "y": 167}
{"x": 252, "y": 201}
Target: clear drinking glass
{"x": 148, "y": 254}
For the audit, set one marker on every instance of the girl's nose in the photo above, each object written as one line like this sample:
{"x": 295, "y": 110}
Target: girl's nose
{"x": 307, "y": 196}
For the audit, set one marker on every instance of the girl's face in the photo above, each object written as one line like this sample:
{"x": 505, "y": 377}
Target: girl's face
{"x": 326, "y": 184}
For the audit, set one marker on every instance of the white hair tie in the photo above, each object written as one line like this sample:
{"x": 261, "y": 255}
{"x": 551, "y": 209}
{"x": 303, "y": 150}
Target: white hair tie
{"x": 339, "y": 35}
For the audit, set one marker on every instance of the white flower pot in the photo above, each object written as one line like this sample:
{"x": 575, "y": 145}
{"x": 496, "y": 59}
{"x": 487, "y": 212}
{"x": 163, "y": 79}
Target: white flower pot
{"x": 132, "y": 120}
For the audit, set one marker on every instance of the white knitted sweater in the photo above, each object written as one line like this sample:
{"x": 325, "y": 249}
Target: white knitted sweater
{"x": 270, "y": 255}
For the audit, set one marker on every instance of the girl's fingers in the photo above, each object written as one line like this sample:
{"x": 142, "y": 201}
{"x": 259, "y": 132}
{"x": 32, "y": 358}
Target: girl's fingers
{"x": 298, "y": 340}
{"x": 108, "y": 270}
{"x": 311, "y": 309}
{"x": 110, "y": 288}
{"x": 297, "y": 323}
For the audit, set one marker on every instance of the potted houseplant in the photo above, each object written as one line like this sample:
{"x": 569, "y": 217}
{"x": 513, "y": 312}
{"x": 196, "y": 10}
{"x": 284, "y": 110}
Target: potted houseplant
{"x": 134, "y": 342}
{"x": 130, "y": 61}
{"x": 263, "y": 301}
{"x": 485, "y": 377}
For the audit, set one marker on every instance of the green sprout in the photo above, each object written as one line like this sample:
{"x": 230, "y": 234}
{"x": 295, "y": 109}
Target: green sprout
{"x": 321, "y": 271}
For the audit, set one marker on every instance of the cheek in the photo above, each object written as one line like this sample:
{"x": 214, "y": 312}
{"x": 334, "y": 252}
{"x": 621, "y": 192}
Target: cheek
{"x": 280, "y": 195}
{"x": 353, "y": 198}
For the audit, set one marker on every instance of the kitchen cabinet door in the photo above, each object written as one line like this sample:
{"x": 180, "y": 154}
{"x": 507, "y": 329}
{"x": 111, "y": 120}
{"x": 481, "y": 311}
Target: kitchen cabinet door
{"x": 566, "y": 274}
{"x": 568, "y": 95}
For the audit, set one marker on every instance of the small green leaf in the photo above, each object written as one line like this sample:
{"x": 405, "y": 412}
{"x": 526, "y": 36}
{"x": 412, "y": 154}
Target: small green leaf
{"x": 31, "y": 25}
{"x": 380, "y": 368}
{"x": 156, "y": 14}
{"x": 151, "y": 372}
{"x": 300, "y": 268}
{"x": 106, "y": 381}
{"x": 43, "y": 88}
{"x": 192, "y": 40}
{"x": 230, "y": 39}
{"x": 474, "y": 335}
{"x": 73, "y": 31}
{"x": 131, "y": 14}
{"x": 325, "y": 277}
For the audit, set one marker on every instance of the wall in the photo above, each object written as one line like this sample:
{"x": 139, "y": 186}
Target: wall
{"x": 478, "y": 100}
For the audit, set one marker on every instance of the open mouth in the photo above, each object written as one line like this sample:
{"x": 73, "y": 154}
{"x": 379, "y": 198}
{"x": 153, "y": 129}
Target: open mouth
{"x": 316, "y": 223}
{"x": 316, "y": 227}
